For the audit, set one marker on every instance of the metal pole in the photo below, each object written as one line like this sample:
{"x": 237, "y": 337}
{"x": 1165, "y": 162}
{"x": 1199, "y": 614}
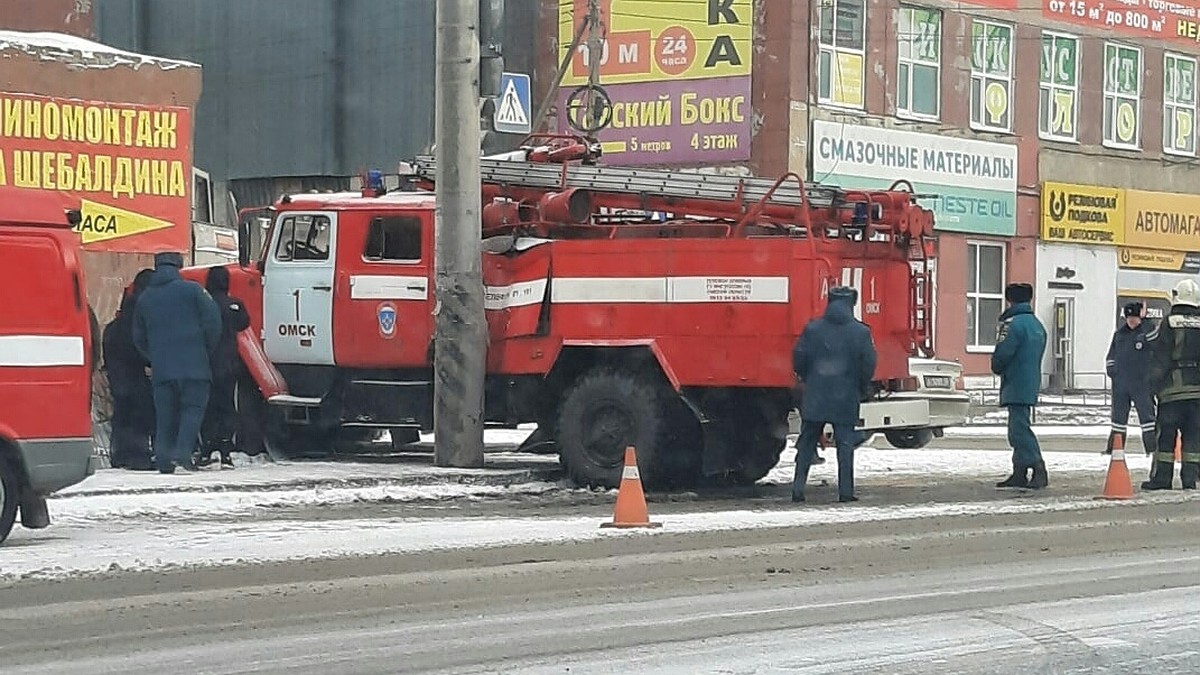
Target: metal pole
{"x": 460, "y": 342}
{"x": 595, "y": 55}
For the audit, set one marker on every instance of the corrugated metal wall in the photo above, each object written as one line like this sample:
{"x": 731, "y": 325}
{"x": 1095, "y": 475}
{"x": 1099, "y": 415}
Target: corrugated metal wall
{"x": 304, "y": 87}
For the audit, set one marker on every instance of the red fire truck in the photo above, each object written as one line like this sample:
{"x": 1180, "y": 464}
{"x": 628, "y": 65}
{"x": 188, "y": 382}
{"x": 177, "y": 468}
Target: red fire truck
{"x": 46, "y": 357}
{"x": 624, "y": 306}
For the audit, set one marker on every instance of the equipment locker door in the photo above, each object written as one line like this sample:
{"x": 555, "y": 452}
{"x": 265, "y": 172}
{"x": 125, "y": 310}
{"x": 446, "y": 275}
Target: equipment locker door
{"x": 298, "y": 289}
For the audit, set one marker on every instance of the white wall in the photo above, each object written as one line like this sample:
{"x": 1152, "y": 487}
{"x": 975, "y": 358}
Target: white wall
{"x": 1095, "y": 267}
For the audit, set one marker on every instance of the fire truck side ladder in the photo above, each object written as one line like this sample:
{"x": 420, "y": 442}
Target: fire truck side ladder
{"x": 745, "y": 192}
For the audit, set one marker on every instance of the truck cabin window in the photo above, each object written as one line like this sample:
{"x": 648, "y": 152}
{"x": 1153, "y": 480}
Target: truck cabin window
{"x": 393, "y": 238}
{"x": 303, "y": 238}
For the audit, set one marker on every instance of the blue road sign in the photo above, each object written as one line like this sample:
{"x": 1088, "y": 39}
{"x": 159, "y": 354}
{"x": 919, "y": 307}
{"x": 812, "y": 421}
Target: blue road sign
{"x": 513, "y": 111}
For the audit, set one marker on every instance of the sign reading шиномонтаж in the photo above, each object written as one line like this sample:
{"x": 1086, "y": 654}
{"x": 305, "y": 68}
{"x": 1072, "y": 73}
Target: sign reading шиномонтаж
{"x": 976, "y": 181}
{"x": 128, "y": 165}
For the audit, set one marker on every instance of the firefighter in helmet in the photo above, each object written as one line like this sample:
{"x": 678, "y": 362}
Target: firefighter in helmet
{"x": 1175, "y": 379}
{"x": 1128, "y": 365}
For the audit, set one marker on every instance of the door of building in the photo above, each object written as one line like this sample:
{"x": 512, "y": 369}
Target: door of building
{"x": 1062, "y": 341}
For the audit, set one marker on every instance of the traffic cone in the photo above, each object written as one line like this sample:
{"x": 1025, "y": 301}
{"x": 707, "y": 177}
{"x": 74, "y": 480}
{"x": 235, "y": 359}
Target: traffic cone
{"x": 1178, "y": 449}
{"x": 1118, "y": 484}
{"x": 630, "y": 510}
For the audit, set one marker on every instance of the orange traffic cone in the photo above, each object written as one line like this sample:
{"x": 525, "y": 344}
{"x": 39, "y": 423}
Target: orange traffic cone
{"x": 1178, "y": 449}
{"x": 630, "y": 510}
{"x": 1118, "y": 484}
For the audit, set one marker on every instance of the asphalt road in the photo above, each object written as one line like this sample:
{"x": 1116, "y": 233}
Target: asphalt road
{"x": 1099, "y": 591}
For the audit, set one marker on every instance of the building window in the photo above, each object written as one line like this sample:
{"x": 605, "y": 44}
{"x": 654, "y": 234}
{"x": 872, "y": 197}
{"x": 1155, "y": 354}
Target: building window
{"x": 1058, "y": 95}
{"x": 920, "y": 68}
{"x": 1179, "y": 105}
{"x": 842, "y": 52}
{"x": 1122, "y": 96}
{"x": 985, "y": 293}
{"x": 991, "y": 76}
{"x": 393, "y": 238}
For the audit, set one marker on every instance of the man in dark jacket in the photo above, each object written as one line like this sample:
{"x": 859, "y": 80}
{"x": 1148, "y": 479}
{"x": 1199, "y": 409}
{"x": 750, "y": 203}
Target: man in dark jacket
{"x": 1017, "y": 359}
{"x": 176, "y": 326}
{"x": 133, "y": 397}
{"x": 220, "y": 418}
{"x": 1128, "y": 365}
{"x": 1175, "y": 380}
{"x": 835, "y": 360}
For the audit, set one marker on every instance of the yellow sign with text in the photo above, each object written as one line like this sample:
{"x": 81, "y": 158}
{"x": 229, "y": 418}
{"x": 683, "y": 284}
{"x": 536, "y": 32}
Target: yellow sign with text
{"x": 1083, "y": 214}
{"x": 1162, "y": 220}
{"x": 101, "y": 222}
{"x": 653, "y": 41}
{"x": 1149, "y": 259}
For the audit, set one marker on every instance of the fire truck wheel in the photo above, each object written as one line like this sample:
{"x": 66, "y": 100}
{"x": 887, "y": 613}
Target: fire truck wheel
{"x": 601, "y": 414}
{"x": 764, "y": 435}
{"x": 8, "y": 498}
{"x": 909, "y": 439}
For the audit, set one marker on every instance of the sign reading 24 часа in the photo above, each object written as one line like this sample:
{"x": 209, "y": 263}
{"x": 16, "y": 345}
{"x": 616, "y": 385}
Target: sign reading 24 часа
{"x": 976, "y": 181}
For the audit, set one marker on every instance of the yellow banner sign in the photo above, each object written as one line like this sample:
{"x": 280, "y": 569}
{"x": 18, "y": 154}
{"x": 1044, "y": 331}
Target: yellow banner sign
{"x": 102, "y": 222}
{"x": 655, "y": 41}
{"x": 1083, "y": 214}
{"x": 1149, "y": 259}
{"x": 1162, "y": 220}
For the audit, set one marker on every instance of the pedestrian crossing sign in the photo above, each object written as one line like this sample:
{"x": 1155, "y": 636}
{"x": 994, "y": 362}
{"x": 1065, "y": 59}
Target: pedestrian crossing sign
{"x": 513, "y": 108}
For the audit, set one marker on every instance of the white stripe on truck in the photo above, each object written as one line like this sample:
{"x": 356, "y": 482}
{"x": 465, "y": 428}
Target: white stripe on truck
{"x": 41, "y": 350}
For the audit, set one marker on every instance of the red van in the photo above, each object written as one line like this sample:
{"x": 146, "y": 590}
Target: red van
{"x": 46, "y": 356}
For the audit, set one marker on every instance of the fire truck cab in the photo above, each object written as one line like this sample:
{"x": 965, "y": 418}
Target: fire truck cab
{"x": 46, "y": 357}
{"x": 624, "y": 307}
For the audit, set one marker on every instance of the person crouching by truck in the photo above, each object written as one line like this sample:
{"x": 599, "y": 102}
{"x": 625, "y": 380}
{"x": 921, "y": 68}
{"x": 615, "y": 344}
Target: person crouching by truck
{"x": 835, "y": 361}
{"x": 220, "y": 417}
{"x": 1128, "y": 365}
{"x": 1017, "y": 359}
{"x": 132, "y": 394}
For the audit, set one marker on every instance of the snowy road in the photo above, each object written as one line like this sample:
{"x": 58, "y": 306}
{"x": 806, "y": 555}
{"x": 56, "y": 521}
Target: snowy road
{"x": 1073, "y": 591}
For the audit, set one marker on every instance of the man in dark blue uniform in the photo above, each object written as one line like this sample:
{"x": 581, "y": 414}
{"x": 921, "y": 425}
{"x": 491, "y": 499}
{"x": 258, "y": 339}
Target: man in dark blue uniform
{"x": 835, "y": 360}
{"x": 1128, "y": 365}
{"x": 133, "y": 397}
{"x": 176, "y": 326}
{"x": 220, "y": 418}
{"x": 1017, "y": 359}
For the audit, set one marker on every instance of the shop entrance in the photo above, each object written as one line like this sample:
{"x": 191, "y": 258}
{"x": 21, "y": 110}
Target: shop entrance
{"x": 1062, "y": 341}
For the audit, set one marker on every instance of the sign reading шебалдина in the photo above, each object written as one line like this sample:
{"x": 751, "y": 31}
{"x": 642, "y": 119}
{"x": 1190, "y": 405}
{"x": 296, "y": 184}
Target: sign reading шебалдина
{"x": 129, "y": 166}
{"x": 976, "y": 181}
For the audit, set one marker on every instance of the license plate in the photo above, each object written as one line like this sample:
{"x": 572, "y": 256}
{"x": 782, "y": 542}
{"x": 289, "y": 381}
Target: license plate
{"x": 939, "y": 381}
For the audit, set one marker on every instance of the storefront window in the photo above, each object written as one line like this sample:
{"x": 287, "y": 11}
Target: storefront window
{"x": 842, "y": 52}
{"x": 991, "y": 76}
{"x": 985, "y": 292}
{"x": 920, "y": 66}
{"x": 1179, "y": 105}
{"x": 1122, "y": 96}
{"x": 1058, "y": 93}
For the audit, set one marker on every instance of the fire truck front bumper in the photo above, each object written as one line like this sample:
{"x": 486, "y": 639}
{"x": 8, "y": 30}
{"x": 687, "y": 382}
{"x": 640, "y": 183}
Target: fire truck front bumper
{"x": 52, "y": 464}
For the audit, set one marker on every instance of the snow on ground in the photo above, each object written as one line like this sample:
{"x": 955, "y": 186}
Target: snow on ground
{"x": 81, "y": 551}
{"x": 121, "y": 524}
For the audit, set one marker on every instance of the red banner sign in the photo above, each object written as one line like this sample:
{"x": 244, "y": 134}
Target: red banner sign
{"x": 1168, "y": 20}
{"x": 129, "y": 166}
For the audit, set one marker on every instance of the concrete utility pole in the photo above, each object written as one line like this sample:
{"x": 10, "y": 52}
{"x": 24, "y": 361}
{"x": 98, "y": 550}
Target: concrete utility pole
{"x": 460, "y": 342}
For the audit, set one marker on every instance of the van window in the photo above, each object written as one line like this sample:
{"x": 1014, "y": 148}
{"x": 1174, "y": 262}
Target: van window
{"x": 34, "y": 303}
{"x": 394, "y": 238}
{"x": 303, "y": 238}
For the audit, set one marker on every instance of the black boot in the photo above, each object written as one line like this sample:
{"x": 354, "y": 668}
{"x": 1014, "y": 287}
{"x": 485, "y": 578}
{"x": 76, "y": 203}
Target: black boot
{"x": 1161, "y": 474}
{"x": 1018, "y": 479}
{"x": 1040, "y": 478}
{"x": 1188, "y": 473}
